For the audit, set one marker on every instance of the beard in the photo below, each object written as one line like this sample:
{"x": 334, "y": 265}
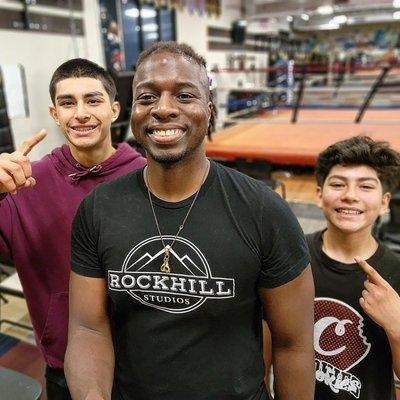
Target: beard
{"x": 167, "y": 158}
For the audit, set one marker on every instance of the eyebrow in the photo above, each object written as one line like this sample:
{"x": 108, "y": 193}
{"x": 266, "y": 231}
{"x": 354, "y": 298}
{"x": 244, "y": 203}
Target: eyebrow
{"x": 179, "y": 85}
{"x": 362, "y": 179}
{"x": 86, "y": 95}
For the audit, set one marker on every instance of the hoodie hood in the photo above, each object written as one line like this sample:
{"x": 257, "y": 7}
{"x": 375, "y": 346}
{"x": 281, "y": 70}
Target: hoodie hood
{"x": 66, "y": 164}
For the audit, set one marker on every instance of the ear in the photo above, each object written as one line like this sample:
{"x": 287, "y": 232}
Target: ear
{"x": 115, "y": 110}
{"x": 54, "y": 115}
{"x": 210, "y": 110}
{"x": 385, "y": 203}
{"x": 318, "y": 197}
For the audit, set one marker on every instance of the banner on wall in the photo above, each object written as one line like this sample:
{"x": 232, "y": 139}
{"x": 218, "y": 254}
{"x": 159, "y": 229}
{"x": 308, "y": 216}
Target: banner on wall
{"x": 14, "y": 86}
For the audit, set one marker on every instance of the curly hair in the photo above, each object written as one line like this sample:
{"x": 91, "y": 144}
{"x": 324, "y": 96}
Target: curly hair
{"x": 361, "y": 150}
{"x": 187, "y": 52}
{"x": 82, "y": 68}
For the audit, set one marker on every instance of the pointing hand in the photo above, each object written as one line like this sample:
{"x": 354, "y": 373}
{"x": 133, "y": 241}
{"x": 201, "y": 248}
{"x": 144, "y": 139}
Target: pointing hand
{"x": 16, "y": 169}
{"x": 379, "y": 300}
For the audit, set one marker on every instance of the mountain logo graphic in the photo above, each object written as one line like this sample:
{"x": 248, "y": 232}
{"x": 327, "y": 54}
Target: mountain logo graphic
{"x": 188, "y": 285}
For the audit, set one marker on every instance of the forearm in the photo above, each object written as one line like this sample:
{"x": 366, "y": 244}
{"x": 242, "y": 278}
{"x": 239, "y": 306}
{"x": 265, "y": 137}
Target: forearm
{"x": 294, "y": 372}
{"x": 89, "y": 365}
{"x": 394, "y": 341}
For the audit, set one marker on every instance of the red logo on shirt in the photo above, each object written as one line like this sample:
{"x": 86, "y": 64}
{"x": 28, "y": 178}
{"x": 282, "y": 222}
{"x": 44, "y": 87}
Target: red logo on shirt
{"x": 338, "y": 334}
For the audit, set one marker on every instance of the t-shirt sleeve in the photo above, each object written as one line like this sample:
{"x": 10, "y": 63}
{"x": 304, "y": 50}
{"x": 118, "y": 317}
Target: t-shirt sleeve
{"x": 284, "y": 249}
{"x": 84, "y": 253}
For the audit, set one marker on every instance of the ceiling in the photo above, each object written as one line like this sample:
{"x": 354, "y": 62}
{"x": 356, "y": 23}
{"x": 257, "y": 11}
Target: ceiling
{"x": 314, "y": 15}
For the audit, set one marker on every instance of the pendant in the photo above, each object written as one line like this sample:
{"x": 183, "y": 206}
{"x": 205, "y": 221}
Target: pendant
{"x": 165, "y": 265}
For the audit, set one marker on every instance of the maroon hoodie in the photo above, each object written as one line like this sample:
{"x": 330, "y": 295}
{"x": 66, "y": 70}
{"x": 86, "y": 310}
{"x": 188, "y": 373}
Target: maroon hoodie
{"x": 35, "y": 229}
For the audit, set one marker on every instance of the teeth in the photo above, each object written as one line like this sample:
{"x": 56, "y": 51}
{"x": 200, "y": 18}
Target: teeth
{"x": 346, "y": 211}
{"x": 83, "y": 128}
{"x": 167, "y": 132}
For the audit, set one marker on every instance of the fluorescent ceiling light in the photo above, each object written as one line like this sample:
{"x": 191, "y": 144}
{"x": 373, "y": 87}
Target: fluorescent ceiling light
{"x": 329, "y": 26}
{"x": 325, "y": 10}
{"x": 150, "y": 27}
{"x": 132, "y": 12}
{"x": 396, "y": 3}
{"x": 305, "y": 17}
{"x": 339, "y": 19}
{"x": 147, "y": 13}
{"x": 396, "y": 15}
{"x": 153, "y": 35}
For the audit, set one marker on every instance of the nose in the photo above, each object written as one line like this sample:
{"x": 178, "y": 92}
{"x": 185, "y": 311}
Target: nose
{"x": 350, "y": 193}
{"x": 81, "y": 112}
{"x": 165, "y": 108}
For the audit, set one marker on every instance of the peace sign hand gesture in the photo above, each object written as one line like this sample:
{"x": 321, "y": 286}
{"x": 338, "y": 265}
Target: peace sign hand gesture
{"x": 16, "y": 169}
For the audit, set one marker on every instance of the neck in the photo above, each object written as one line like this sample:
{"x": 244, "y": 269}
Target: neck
{"x": 176, "y": 182}
{"x": 92, "y": 157}
{"x": 343, "y": 247}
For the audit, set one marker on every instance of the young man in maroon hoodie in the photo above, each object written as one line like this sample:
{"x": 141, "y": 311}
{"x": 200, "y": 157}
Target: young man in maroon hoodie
{"x": 39, "y": 200}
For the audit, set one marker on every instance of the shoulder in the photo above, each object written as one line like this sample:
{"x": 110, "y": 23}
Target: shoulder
{"x": 312, "y": 238}
{"x": 127, "y": 158}
{"x": 314, "y": 244}
{"x": 43, "y": 165}
{"x": 389, "y": 267}
{"x": 117, "y": 186}
{"x": 243, "y": 187}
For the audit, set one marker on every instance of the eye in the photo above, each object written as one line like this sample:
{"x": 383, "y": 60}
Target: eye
{"x": 94, "y": 101}
{"x": 367, "y": 187}
{"x": 185, "y": 96}
{"x": 146, "y": 98}
{"x": 336, "y": 185}
{"x": 66, "y": 103}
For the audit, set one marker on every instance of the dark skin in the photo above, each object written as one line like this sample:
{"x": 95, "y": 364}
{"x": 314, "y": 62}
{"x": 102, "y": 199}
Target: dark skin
{"x": 289, "y": 313}
{"x": 170, "y": 116}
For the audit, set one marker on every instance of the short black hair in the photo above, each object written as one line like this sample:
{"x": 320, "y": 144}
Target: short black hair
{"x": 361, "y": 150}
{"x": 187, "y": 52}
{"x": 82, "y": 68}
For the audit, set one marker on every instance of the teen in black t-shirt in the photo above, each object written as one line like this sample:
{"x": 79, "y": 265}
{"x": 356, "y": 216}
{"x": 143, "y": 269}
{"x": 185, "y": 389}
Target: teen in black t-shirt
{"x": 357, "y": 307}
{"x": 355, "y": 361}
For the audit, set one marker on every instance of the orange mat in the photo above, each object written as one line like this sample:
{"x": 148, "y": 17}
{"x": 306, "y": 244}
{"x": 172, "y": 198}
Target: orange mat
{"x": 297, "y": 144}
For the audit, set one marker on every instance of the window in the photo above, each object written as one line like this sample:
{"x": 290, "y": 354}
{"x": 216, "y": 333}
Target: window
{"x": 129, "y": 27}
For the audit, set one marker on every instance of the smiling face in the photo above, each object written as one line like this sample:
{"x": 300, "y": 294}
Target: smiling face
{"x": 84, "y": 112}
{"x": 171, "y": 108}
{"x": 352, "y": 198}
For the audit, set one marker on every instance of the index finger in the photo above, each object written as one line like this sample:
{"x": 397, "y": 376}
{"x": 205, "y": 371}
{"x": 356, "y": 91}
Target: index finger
{"x": 30, "y": 143}
{"x": 372, "y": 274}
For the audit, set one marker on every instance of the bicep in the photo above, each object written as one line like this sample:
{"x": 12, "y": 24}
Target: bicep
{"x": 88, "y": 302}
{"x": 289, "y": 308}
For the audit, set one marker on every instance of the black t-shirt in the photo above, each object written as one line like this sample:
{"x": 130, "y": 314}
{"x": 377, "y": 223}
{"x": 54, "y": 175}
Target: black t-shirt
{"x": 193, "y": 333}
{"x": 353, "y": 357}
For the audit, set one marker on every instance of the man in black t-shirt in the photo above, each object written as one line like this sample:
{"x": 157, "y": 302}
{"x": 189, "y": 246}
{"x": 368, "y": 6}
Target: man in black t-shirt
{"x": 357, "y": 306}
{"x": 172, "y": 264}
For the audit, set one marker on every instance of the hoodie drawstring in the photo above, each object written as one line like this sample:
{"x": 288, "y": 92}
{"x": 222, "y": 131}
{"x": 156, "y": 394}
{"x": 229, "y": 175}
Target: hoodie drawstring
{"x": 76, "y": 176}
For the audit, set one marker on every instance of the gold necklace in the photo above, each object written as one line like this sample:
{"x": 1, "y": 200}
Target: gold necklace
{"x": 165, "y": 267}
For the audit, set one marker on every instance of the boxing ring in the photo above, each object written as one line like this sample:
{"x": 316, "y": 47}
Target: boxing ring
{"x": 291, "y": 144}
{"x": 296, "y": 134}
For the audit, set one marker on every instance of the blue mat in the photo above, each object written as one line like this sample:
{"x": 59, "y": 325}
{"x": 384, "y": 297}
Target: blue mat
{"x": 7, "y": 343}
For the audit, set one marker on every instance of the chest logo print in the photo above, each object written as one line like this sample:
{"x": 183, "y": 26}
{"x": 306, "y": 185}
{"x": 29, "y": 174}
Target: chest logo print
{"x": 339, "y": 344}
{"x": 186, "y": 288}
